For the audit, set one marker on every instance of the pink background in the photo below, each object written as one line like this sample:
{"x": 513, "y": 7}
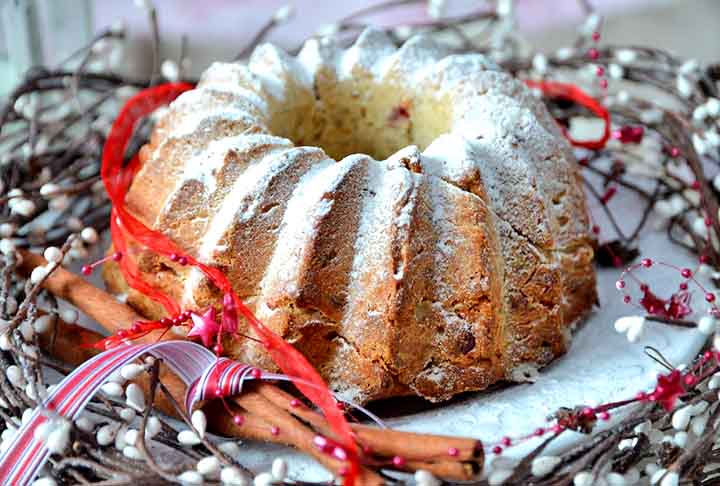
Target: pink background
{"x": 219, "y": 28}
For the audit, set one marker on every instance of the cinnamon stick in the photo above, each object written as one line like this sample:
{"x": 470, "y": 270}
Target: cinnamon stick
{"x": 383, "y": 441}
{"x": 265, "y": 404}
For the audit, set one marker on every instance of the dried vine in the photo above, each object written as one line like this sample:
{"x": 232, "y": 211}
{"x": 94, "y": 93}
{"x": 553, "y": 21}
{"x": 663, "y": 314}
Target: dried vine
{"x": 52, "y": 130}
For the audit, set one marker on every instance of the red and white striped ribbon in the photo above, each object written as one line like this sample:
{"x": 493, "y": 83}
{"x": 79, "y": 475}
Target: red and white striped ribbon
{"x": 200, "y": 369}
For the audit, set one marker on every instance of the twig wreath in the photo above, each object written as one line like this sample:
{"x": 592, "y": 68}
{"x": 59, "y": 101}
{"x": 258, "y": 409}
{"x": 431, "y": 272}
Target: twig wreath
{"x": 55, "y": 125}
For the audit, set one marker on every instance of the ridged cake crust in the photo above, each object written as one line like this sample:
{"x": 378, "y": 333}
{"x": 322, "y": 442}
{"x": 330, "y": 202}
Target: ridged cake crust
{"x": 460, "y": 258}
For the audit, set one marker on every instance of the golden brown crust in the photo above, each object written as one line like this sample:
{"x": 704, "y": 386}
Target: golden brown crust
{"x": 431, "y": 274}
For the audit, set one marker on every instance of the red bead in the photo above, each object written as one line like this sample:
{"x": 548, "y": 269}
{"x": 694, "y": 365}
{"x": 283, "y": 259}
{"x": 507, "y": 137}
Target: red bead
{"x": 122, "y": 333}
{"x": 238, "y": 419}
{"x": 704, "y": 259}
{"x": 320, "y": 441}
{"x": 135, "y": 328}
{"x": 596, "y": 36}
{"x": 588, "y": 412}
{"x": 686, "y": 272}
{"x": 596, "y": 229}
{"x": 675, "y": 152}
{"x": 600, "y": 71}
{"x": 620, "y": 284}
{"x": 275, "y": 430}
{"x": 218, "y": 349}
{"x": 710, "y": 297}
{"x": 343, "y": 471}
{"x": 690, "y": 380}
{"x": 708, "y": 221}
{"x": 604, "y": 415}
{"x": 609, "y": 194}
{"x": 593, "y": 53}
{"x": 646, "y": 262}
{"x": 165, "y": 321}
{"x": 294, "y": 403}
{"x": 398, "y": 461}
{"x": 86, "y": 269}
{"x": 695, "y": 185}
{"x": 603, "y": 83}
{"x": 256, "y": 373}
{"x": 183, "y": 260}
{"x": 117, "y": 256}
{"x": 453, "y": 451}
{"x": 174, "y": 257}
{"x": 539, "y": 432}
{"x": 367, "y": 450}
{"x": 506, "y": 441}
{"x": 683, "y": 286}
{"x": 629, "y": 134}
{"x": 708, "y": 355}
{"x": 497, "y": 450}
{"x": 617, "y": 261}
{"x": 627, "y": 299}
{"x": 339, "y": 453}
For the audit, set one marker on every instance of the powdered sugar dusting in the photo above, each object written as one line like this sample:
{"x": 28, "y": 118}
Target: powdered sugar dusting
{"x": 274, "y": 67}
{"x": 405, "y": 66}
{"x": 309, "y": 202}
{"x": 318, "y": 53}
{"x": 387, "y": 191}
{"x": 371, "y": 47}
{"x": 191, "y": 124}
{"x": 249, "y": 181}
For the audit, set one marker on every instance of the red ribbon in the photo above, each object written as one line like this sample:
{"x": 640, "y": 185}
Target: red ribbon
{"x": 554, "y": 89}
{"x": 117, "y": 180}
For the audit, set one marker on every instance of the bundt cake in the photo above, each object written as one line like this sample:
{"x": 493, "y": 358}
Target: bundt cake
{"x": 412, "y": 221}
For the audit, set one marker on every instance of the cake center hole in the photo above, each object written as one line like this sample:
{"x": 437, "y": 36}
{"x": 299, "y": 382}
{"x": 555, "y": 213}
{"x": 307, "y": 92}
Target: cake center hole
{"x": 362, "y": 116}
